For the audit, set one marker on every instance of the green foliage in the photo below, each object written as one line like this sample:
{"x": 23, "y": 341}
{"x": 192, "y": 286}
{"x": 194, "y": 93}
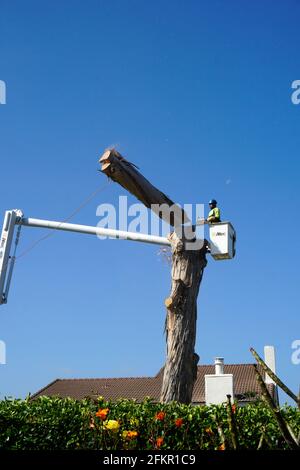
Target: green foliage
{"x": 54, "y": 423}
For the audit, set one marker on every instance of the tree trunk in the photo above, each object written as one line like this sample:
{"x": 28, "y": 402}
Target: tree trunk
{"x": 180, "y": 371}
{"x": 188, "y": 263}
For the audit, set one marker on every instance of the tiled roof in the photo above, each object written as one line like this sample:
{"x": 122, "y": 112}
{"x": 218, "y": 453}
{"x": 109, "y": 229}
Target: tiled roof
{"x": 138, "y": 388}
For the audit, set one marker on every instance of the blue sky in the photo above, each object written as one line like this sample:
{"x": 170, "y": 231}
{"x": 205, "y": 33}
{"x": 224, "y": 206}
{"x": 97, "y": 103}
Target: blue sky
{"x": 198, "y": 95}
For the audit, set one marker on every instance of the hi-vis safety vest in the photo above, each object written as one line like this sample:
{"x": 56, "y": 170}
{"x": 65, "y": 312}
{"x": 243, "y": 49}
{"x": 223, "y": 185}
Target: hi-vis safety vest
{"x": 214, "y": 213}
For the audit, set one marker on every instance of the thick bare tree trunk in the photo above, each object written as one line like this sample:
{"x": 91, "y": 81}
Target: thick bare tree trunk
{"x": 180, "y": 370}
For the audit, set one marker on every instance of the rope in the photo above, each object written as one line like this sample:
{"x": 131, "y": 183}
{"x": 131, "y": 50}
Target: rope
{"x": 78, "y": 209}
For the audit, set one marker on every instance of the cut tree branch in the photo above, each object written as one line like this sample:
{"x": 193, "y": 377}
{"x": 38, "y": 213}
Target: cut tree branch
{"x": 274, "y": 377}
{"x": 126, "y": 174}
{"x": 286, "y": 432}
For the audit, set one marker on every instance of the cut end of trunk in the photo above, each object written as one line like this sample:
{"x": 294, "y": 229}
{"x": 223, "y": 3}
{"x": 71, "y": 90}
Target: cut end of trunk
{"x": 105, "y": 156}
{"x": 106, "y": 161}
{"x": 105, "y": 165}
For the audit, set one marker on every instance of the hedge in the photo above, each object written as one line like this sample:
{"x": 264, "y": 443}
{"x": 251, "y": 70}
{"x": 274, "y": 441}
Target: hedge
{"x": 58, "y": 424}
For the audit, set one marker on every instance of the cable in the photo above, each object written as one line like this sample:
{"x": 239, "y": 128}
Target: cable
{"x": 48, "y": 235}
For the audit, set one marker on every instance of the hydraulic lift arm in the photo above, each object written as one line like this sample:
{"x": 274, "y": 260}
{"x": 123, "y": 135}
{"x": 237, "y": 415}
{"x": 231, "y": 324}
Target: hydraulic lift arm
{"x": 15, "y": 218}
{"x": 6, "y": 260}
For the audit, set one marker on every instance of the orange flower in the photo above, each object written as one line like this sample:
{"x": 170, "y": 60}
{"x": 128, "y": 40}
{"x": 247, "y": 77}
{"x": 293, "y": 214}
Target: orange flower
{"x": 160, "y": 416}
{"x": 129, "y": 435}
{"x": 209, "y": 431}
{"x": 159, "y": 442}
{"x": 102, "y": 413}
{"x": 178, "y": 422}
{"x": 233, "y": 407}
{"x": 221, "y": 447}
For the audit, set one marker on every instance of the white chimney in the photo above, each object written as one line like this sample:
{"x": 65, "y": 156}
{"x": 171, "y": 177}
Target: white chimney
{"x": 218, "y": 385}
{"x": 269, "y": 352}
{"x": 219, "y": 365}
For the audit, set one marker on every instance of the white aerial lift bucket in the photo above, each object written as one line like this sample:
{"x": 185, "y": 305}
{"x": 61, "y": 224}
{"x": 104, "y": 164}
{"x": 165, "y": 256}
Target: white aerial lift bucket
{"x": 222, "y": 240}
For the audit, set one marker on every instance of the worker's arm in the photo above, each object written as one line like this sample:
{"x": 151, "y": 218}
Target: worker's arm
{"x": 215, "y": 217}
{"x": 212, "y": 219}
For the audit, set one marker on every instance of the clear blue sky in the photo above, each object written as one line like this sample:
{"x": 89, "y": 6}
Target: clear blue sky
{"x": 198, "y": 95}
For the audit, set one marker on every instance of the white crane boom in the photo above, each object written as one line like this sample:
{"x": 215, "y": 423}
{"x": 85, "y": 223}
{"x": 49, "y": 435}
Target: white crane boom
{"x": 121, "y": 234}
{"x": 15, "y": 217}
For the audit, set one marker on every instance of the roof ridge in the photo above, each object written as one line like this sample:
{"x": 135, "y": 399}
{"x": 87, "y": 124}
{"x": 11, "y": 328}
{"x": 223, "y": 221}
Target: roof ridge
{"x": 107, "y": 378}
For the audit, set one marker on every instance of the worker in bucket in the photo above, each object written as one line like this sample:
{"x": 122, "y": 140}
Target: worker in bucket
{"x": 214, "y": 215}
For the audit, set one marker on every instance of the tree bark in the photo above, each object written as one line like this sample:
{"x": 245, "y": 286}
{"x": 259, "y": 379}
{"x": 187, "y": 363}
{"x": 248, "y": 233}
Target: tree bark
{"x": 180, "y": 371}
{"x": 188, "y": 263}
